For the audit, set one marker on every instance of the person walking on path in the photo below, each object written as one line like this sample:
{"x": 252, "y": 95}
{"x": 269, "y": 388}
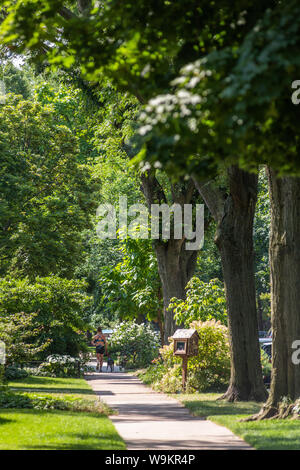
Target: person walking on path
{"x": 100, "y": 342}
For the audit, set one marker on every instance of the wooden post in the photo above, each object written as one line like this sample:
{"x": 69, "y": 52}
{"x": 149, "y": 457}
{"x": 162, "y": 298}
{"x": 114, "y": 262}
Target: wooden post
{"x": 184, "y": 371}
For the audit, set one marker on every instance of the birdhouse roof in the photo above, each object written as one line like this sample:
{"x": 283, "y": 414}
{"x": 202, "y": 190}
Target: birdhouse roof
{"x": 184, "y": 333}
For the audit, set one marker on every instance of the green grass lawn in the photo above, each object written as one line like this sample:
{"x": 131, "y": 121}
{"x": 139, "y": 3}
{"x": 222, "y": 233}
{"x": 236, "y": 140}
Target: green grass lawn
{"x": 53, "y": 385}
{"x": 263, "y": 435}
{"x": 55, "y": 429}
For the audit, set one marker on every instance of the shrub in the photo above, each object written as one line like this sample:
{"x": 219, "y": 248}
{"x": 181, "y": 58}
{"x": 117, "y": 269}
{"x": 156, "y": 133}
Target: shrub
{"x": 209, "y": 370}
{"x": 59, "y": 305}
{"x": 61, "y": 366}
{"x": 153, "y": 373}
{"x": 135, "y": 344}
{"x": 14, "y": 373}
{"x": 171, "y": 380}
{"x": 36, "y": 371}
{"x": 11, "y": 399}
{"x": 266, "y": 364}
{"x": 204, "y": 301}
{"x": 211, "y": 367}
{"x": 21, "y": 336}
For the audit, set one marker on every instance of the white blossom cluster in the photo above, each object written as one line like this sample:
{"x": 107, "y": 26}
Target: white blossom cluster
{"x": 185, "y": 106}
{"x": 61, "y": 359}
{"x": 181, "y": 104}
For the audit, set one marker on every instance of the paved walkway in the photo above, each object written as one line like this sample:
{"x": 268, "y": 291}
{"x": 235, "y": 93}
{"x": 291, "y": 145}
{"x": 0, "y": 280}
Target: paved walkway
{"x": 153, "y": 421}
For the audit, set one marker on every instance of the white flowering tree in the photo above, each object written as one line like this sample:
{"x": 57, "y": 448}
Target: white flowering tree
{"x": 135, "y": 344}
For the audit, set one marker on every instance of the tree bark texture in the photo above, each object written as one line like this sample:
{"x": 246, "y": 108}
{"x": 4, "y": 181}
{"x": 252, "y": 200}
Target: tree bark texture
{"x": 285, "y": 290}
{"x": 176, "y": 265}
{"x": 234, "y": 214}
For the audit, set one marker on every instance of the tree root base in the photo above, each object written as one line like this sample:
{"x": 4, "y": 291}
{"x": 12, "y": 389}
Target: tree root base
{"x": 282, "y": 411}
{"x": 233, "y": 394}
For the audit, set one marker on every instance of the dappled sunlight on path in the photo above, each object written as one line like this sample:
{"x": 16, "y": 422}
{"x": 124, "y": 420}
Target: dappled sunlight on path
{"x": 150, "y": 420}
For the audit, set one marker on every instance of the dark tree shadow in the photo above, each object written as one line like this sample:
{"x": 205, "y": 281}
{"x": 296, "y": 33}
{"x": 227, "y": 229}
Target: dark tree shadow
{"x": 214, "y": 408}
{"x": 5, "y": 420}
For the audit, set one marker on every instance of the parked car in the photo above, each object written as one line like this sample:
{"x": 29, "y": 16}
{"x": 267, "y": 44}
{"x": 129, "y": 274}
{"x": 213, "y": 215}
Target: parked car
{"x": 263, "y": 334}
{"x": 265, "y": 340}
{"x": 267, "y": 347}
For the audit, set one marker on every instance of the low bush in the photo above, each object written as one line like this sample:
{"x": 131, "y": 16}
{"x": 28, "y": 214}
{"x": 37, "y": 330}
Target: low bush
{"x": 153, "y": 373}
{"x": 42, "y": 317}
{"x": 209, "y": 370}
{"x": 266, "y": 365}
{"x": 61, "y": 366}
{"x": 15, "y": 373}
{"x": 36, "y": 371}
{"x": 11, "y": 399}
{"x": 135, "y": 345}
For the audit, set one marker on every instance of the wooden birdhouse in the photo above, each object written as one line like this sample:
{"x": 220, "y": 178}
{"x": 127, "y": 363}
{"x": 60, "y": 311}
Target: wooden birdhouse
{"x": 186, "y": 342}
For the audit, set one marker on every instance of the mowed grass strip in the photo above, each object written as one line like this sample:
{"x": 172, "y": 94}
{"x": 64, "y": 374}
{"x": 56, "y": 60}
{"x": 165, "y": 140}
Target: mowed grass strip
{"x": 55, "y": 429}
{"x": 262, "y": 435}
{"x": 52, "y": 385}
{"x": 71, "y": 389}
{"x": 281, "y": 434}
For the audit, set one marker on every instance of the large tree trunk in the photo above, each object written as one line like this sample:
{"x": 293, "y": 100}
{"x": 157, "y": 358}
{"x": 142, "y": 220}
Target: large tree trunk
{"x": 176, "y": 264}
{"x": 235, "y": 242}
{"x": 285, "y": 290}
{"x": 234, "y": 238}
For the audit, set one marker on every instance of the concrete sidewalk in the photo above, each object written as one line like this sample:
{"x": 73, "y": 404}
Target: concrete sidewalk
{"x": 153, "y": 421}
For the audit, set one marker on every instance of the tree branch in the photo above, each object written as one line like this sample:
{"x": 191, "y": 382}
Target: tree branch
{"x": 66, "y": 13}
{"x": 152, "y": 189}
{"x": 84, "y": 6}
{"x": 213, "y": 198}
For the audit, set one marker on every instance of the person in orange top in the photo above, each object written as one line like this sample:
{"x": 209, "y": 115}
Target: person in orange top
{"x": 99, "y": 341}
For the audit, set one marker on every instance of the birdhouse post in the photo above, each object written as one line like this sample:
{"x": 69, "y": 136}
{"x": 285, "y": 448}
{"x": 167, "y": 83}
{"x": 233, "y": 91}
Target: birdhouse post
{"x": 185, "y": 345}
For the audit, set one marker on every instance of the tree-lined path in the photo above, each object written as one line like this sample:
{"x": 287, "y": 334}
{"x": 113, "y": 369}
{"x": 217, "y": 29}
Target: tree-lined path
{"x": 148, "y": 420}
